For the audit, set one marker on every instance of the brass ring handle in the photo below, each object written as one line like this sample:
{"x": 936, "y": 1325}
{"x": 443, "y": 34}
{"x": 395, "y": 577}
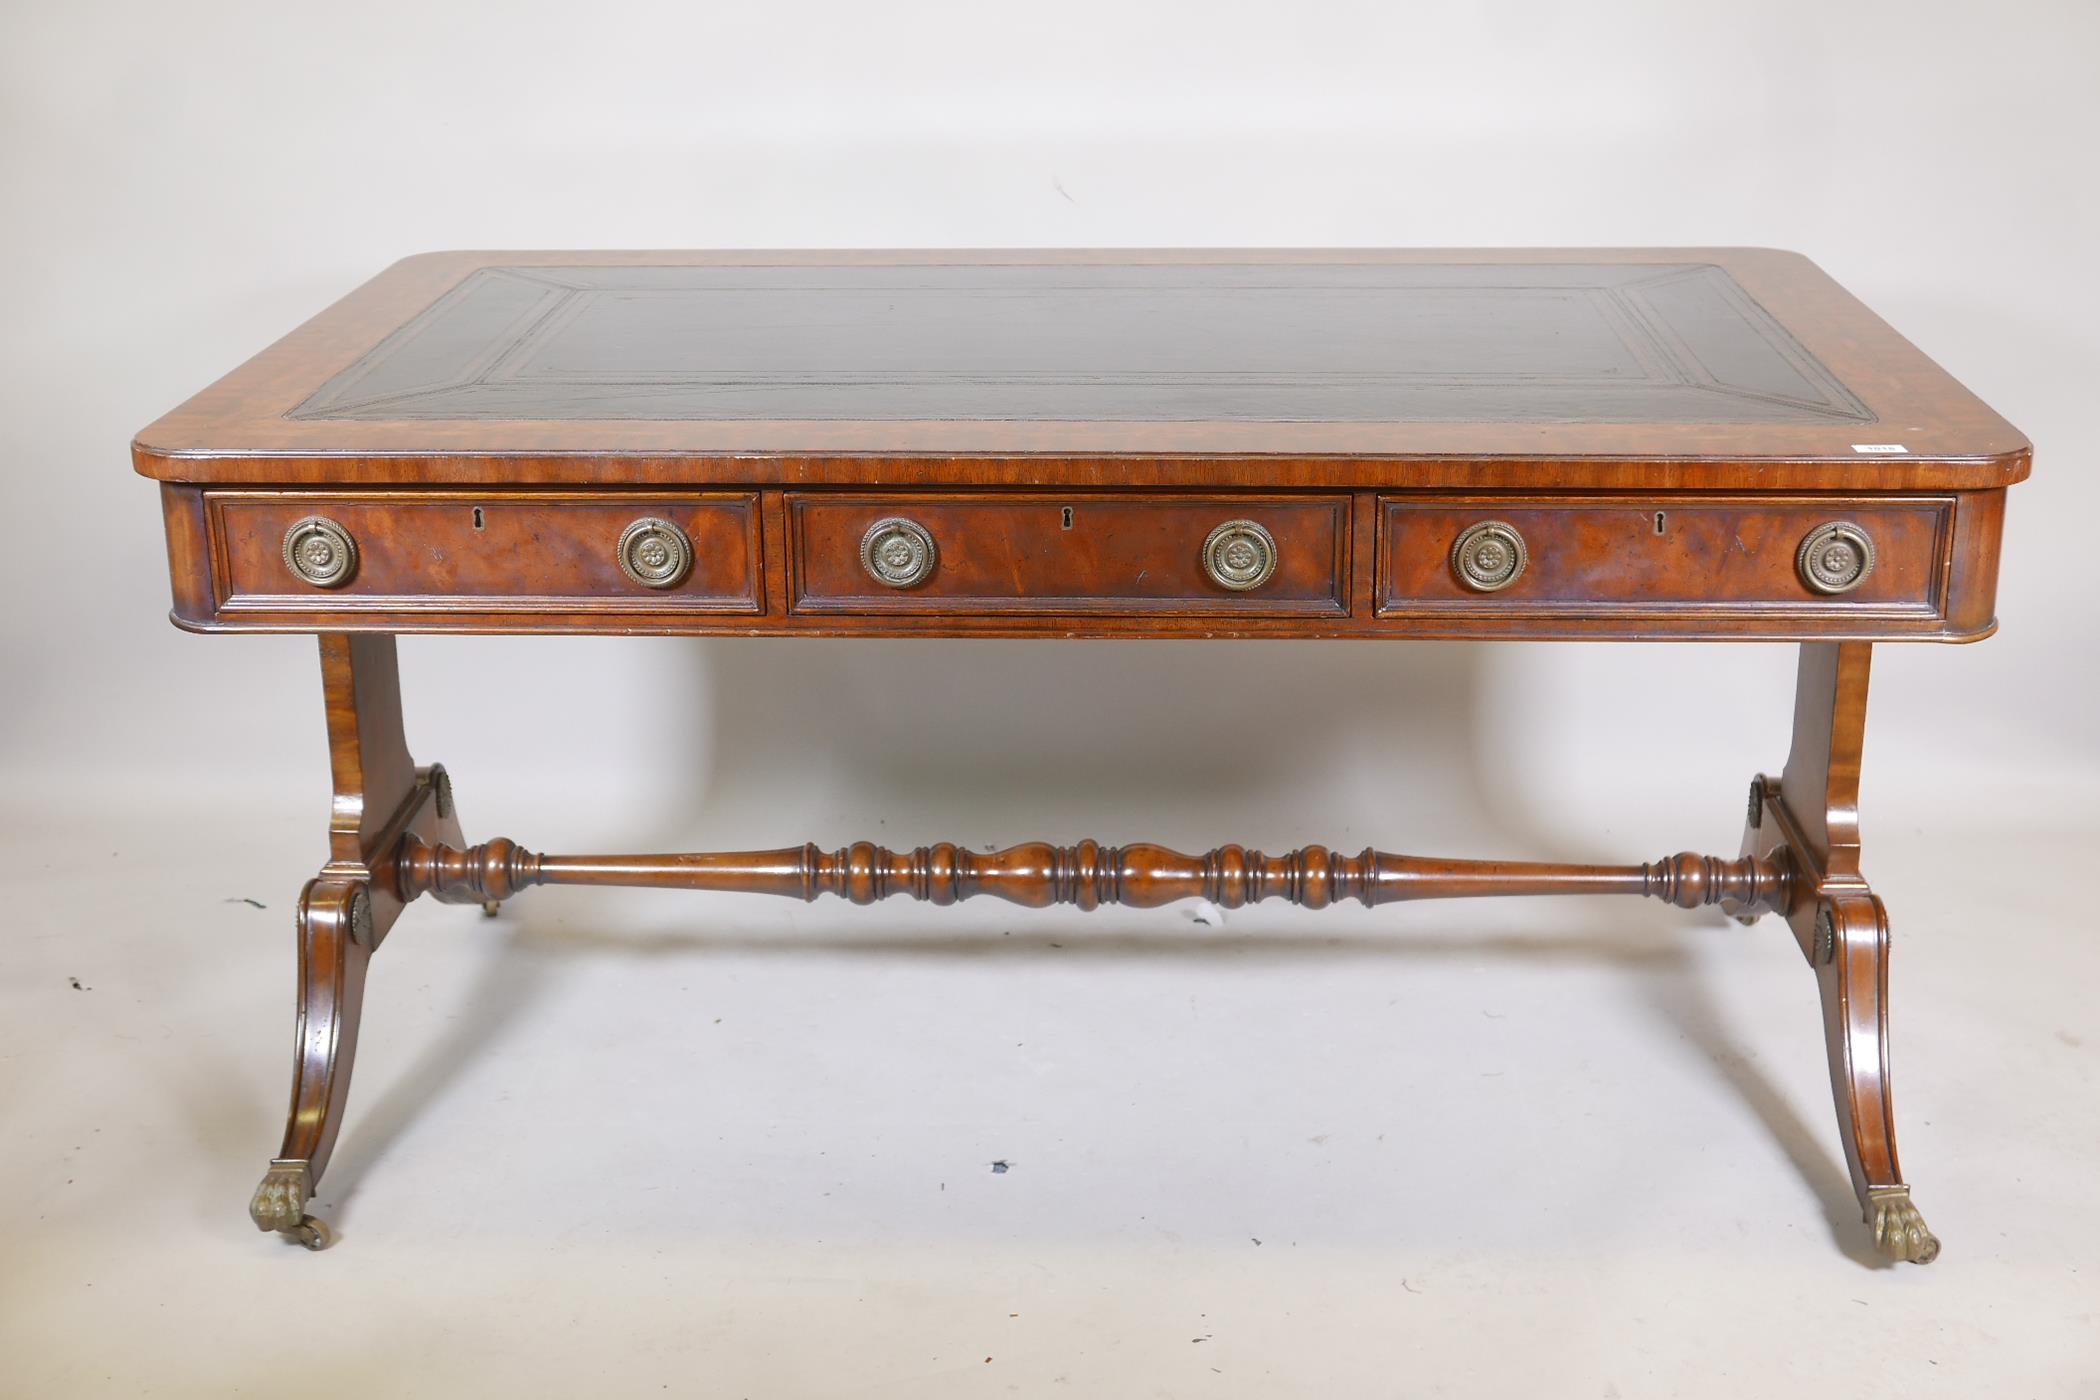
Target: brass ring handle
{"x": 897, "y": 553}
{"x": 1239, "y": 555}
{"x": 320, "y": 552}
{"x": 1835, "y": 557}
{"x": 655, "y": 553}
{"x": 1489, "y": 556}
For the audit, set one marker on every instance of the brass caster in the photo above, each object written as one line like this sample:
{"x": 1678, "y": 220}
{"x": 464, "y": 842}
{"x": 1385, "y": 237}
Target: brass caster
{"x": 1746, "y": 920}
{"x": 489, "y": 908}
{"x": 1899, "y": 1231}
{"x": 312, "y": 1233}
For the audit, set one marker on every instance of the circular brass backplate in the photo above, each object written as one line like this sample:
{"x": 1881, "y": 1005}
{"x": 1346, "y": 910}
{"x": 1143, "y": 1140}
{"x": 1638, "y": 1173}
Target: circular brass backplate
{"x": 319, "y": 551}
{"x": 1239, "y": 555}
{"x": 1489, "y": 556}
{"x": 1835, "y": 557}
{"x": 897, "y": 553}
{"x": 655, "y": 553}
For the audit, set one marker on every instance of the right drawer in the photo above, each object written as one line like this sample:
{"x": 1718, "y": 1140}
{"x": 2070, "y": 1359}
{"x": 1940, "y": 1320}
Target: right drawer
{"x": 1671, "y": 557}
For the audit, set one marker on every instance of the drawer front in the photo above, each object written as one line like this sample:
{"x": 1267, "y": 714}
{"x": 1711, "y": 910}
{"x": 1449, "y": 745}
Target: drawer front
{"x": 1070, "y": 553}
{"x": 482, "y": 552}
{"x": 1678, "y": 558}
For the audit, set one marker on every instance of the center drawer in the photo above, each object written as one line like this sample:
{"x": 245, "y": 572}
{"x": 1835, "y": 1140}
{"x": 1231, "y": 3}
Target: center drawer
{"x": 1069, "y": 553}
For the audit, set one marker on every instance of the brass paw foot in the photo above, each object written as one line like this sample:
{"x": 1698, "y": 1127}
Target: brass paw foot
{"x": 280, "y": 1205}
{"x": 280, "y": 1202}
{"x": 1899, "y": 1231}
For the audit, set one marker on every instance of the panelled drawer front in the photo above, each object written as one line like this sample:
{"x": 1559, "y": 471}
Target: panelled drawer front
{"x": 1678, "y": 557}
{"x": 1071, "y": 552}
{"x": 485, "y": 551}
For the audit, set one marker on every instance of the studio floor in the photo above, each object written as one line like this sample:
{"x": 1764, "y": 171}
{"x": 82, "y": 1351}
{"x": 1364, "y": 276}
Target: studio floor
{"x": 640, "y": 1144}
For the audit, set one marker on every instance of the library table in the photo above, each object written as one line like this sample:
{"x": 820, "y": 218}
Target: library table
{"x": 1684, "y": 444}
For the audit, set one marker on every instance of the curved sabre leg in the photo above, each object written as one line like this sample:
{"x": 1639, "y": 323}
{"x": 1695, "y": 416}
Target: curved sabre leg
{"x": 1810, "y": 816}
{"x": 1851, "y": 950}
{"x": 335, "y": 938}
{"x": 381, "y": 801}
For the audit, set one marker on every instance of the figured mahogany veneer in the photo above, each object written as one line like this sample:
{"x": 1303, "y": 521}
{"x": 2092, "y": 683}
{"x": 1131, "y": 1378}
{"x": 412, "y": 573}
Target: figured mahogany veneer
{"x": 1654, "y": 433}
{"x": 1684, "y": 559}
{"x": 450, "y": 552}
{"x": 1007, "y": 552}
{"x": 1092, "y": 564}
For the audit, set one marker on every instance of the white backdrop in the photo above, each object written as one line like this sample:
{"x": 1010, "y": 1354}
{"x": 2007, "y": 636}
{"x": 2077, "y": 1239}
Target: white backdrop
{"x": 184, "y": 183}
{"x": 190, "y": 182}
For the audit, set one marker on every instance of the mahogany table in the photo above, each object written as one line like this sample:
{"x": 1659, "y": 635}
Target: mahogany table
{"x": 1685, "y": 444}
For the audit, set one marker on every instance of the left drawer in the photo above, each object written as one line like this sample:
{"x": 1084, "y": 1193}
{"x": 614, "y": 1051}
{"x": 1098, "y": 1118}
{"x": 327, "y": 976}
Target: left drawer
{"x": 482, "y": 553}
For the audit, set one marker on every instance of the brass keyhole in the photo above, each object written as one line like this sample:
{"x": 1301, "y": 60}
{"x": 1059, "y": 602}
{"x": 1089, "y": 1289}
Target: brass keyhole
{"x": 1067, "y": 517}
{"x": 1658, "y": 522}
{"x": 478, "y": 522}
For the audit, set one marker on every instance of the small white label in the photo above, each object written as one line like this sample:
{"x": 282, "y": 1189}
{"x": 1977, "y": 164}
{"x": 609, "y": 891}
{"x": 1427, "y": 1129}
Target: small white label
{"x": 1879, "y": 447}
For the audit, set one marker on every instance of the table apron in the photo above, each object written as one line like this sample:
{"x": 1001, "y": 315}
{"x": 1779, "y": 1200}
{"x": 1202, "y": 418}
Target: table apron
{"x": 1090, "y": 563}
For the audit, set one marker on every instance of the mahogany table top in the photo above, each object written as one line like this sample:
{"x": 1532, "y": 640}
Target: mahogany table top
{"x": 1687, "y": 368}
